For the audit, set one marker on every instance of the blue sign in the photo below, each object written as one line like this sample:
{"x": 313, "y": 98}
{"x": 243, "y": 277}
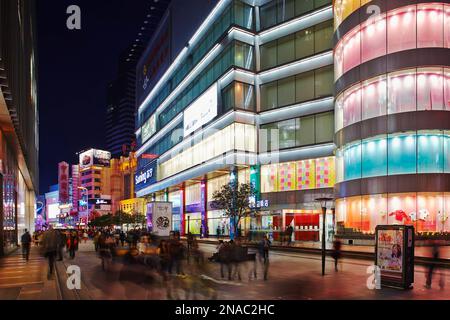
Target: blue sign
{"x": 145, "y": 176}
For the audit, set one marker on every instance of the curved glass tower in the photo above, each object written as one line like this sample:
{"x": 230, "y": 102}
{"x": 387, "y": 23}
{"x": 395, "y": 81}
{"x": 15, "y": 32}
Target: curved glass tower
{"x": 392, "y": 114}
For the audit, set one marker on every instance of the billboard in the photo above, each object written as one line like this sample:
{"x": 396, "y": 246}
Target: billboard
{"x": 159, "y": 218}
{"x": 145, "y": 176}
{"x": 63, "y": 182}
{"x": 95, "y": 157}
{"x": 201, "y": 111}
{"x": 53, "y": 211}
{"x": 100, "y": 202}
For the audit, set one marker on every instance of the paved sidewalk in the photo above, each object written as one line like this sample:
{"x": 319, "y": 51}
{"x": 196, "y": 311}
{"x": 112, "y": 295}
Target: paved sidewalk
{"x": 26, "y": 280}
{"x": 419, "y": 251}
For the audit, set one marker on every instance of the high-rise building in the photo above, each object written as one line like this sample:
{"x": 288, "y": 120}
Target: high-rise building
{"x": 392, "y": 84}
{"x": 18, "y": 121}
{"x": 248, "y": 98}
{"x": 121, "y": 93}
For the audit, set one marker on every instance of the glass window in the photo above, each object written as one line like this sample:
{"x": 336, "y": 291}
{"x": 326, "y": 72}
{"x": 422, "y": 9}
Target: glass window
{"x": 374, "y": 97}
{"x": 401, "y": 33}
{"x": 447, "y": 28}
{"x": 339, "y": 112}
{"x": 324, "y": 127}
{"x": 268, "y": 15}
{"x": 352, "y": 161}
{"x": 339, "y": 60}
{"x": 269, "y": 137}
{"x": 269, "y": 96}
{"x": 303, "y": 6}
{"x": 304, "y": 43}
{"x": 324, "y": 82}
{"x": 269, "y": 55}
{"x": 402, "y": 91}
{"x": 373, "y": 38}
{"x": 446, "y": 152}
{"x": 323, "y": 35}
{"x": 269, "y": 177}
{"x": 430, "y": 95}
{"x": 286, "y": 49}
{"x": 430, "y": 153}
{"x": 286, "y": 91}
{"x": 287, "y": 131}
{"x": 430, "y": 19}
{"x": 447, "y": 88}
{"x": 285, "y": 10}
{"x": 352, "y": 105}
{"x": 374, "y": 157}
{"x": 352, "y": 49}
{"x": 306, "y": 131}
{"x": 304, "y": 86}
{"x": 228, "y": 98}
{"x": 401, "y": 154}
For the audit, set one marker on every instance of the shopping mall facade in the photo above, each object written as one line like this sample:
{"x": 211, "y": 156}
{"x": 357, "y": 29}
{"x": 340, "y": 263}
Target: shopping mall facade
{"x": 252, "y": 97}
{"x": 18, "y": 122}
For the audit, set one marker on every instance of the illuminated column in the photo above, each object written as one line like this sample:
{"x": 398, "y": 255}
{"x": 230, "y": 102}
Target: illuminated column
{"x": 204, "y": 208}
{"x": 182, "y": 209}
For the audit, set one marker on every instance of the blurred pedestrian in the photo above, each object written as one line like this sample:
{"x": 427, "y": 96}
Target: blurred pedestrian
{"x": 433, "y": 267}
{"x": 122, "y": 237}
{"x": 85, "y": 236}
{"x": 61, "y": 244}
{"x": 25, "y": 241}
{"x": 264, "y": 247}
{"x": 72, "y": 243}
{"x": 49, "y": 248}
{"x": 337, "y": 244}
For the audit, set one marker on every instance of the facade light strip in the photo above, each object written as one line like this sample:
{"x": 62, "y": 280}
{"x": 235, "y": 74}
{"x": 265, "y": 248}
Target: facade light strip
{"x": 297, "y": 110}
{"x": 300, "y": 23}
{"x": 194, "y": 73}
{"x": 180, "y": 58}
{"x": 219, "y": 124}
{"x": 314, "y": 62}
{"x": 159, "y": 134}
{"x": 199, "y": 170}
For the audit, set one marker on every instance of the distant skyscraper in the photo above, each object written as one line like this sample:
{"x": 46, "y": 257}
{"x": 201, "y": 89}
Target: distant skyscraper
{"x": 121, "y": 95}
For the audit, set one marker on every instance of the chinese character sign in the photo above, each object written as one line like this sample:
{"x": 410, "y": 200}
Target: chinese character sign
{"x": 63, "y": 182}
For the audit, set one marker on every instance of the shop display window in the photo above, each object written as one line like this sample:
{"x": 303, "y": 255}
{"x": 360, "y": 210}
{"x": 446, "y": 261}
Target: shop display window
{"x": 306, "y": 171}
{"x": 325, "y": 173}
{"x": 430, "y": 19}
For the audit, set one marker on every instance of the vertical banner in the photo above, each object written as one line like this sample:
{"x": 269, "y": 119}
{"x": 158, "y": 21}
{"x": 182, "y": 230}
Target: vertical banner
{"x": 182, "y": 210}
{"x": 75, "y": 185}
{"x": 63, "y": 182}
{"x": 255, "y": 183}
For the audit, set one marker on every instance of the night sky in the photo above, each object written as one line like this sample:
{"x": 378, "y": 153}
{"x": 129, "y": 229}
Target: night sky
{"x": 75, "y": 67}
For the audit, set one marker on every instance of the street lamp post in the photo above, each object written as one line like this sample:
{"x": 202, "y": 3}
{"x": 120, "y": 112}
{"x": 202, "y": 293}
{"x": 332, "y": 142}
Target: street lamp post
{"x": 323, "y": 204}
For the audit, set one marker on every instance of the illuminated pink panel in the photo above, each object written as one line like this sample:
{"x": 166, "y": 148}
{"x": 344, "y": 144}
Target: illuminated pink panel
{"x": 401, "y": 29}
{"x": 374, "y": 98}
{"x": 402, "y": 92}
{"x": 339, "y": 60}
{"x": 373, "y": 38}
{"x": 430, "y": 93}
{"x": 447, "y": 27}
{"x": 352, "y": 105}
{"x": 447, "y": 88}
{"x": 430, "y": 20}
{"x": 352, "y": 50}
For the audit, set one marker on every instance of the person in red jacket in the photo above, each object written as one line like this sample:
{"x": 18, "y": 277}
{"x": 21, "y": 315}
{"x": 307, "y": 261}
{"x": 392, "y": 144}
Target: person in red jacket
{"x": 72, "y": 244}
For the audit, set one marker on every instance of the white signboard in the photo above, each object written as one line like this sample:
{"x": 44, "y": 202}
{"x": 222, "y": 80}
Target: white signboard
{"x": 201, "y": 111}
{"x": 160, "y": 215}
{"x": 149, "y": 128}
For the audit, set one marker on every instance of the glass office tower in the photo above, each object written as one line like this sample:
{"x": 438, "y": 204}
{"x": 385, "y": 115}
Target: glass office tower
{"x": 250, "y": 97}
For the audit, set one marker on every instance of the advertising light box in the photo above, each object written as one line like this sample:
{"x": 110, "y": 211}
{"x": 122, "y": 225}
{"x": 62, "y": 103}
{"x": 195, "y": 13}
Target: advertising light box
{"x": 201, "y": 111}
{"x": 394, "y": 255}
{"x": 159, "y": 218}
